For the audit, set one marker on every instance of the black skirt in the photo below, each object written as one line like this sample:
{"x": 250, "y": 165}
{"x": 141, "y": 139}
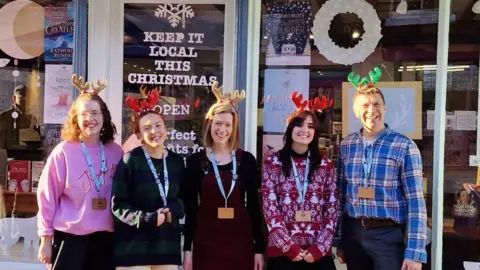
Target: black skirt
{"x": 82, "y": 252}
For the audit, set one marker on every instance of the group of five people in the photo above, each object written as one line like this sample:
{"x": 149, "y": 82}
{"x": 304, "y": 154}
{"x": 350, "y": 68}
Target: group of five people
{"x": 100, "y": 208}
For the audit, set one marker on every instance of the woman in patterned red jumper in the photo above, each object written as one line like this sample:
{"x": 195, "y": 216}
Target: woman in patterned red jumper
{"x": 300, "y": 202}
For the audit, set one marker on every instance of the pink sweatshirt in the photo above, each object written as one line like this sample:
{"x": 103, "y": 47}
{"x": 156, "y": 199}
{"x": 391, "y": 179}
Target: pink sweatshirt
{"x": 66, "y": 190}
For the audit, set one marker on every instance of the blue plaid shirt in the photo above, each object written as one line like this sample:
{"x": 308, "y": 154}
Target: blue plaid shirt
{"x": 392, "y": 165}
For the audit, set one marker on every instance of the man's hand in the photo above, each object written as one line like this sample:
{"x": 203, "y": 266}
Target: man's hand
{"x": 411, "y": 265}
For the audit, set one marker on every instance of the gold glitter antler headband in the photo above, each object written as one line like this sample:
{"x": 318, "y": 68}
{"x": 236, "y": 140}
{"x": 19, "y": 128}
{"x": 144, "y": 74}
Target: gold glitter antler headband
{"x": 222, "y": 97}
{"x": 87, "y": 88}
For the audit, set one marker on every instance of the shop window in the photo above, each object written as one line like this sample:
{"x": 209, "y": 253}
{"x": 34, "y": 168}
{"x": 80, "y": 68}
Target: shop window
{"x": 331, "y": 40}
{"x": 36, "y": 51}
{"x": 180, "y": 57}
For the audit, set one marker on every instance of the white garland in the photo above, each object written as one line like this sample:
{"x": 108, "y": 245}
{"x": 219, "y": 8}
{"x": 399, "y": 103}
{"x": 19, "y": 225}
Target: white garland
{"x": 366, "y": 46}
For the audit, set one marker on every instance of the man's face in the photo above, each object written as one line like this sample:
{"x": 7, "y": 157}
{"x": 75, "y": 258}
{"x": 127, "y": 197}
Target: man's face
{"x": 19, "y": 100}
{"x": 370, "y": 110}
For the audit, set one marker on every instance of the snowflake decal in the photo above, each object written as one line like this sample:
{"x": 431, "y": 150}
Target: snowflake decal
{"x": 175, "y": 13}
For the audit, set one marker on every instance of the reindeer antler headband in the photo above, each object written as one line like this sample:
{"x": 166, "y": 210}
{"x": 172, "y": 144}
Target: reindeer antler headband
{"x": 146, "y": 103}
{"x": 374, "y": 75}
{"x": 88, "y": 88}
{"x": 222, "y": 97}
{"x": 225, "y": 98}
{"x": 314, "y": 105}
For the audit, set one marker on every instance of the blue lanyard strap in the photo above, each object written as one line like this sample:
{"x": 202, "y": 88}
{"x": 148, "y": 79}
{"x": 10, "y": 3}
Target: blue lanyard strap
{"x": 163, "y": 192}
{"x": 219, "y": 180}
{"x": 302, "y": 191}
{"x": 367, "y": 156}
{"x": 98, "y": 180}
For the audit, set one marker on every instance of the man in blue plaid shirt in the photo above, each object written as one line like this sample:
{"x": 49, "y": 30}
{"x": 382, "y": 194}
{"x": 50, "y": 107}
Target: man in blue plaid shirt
{"x": 381, "y": 193}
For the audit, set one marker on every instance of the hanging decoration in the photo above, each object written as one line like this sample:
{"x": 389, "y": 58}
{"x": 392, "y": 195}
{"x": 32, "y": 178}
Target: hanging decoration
{"x": 368, "y": 42}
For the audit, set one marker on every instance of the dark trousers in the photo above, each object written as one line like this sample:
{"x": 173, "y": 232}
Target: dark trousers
{"x": 82, "y": 252}
{"x": 285, "y": 263}
{"x": 373, "y": 249}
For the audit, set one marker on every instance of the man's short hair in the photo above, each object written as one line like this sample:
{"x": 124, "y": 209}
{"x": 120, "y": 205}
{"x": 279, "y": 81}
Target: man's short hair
{"x": 20, "y": 91}
{"x": 367, "y": 91}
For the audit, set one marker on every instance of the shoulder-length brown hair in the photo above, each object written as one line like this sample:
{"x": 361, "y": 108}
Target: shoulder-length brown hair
{"x": 71, "y": 131}
{"x": 219, "y": 108}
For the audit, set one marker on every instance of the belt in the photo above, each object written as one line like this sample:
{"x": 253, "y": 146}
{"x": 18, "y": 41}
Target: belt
{"x": 371, "y": 223}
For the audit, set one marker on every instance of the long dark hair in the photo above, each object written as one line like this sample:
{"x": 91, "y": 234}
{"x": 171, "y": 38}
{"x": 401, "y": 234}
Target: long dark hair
{"x": 286, "y": 152}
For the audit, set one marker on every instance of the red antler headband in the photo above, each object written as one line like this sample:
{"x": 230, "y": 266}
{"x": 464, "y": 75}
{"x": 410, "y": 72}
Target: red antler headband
{"x": 313, "y": 105}
{"x": 146, "y": 103}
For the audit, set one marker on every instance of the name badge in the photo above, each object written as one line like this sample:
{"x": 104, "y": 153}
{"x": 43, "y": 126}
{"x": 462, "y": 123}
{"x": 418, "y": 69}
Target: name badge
{"x": 225, "y": 213}
{"x": 303, "y": 216}
{"x": 99, "y": 203}
{"x": 366, "y": 192}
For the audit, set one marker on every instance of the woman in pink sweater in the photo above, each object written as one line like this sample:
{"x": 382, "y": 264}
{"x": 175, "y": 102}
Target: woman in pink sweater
{"x": 300, "y": 197}
{"x": 74, "y": 219}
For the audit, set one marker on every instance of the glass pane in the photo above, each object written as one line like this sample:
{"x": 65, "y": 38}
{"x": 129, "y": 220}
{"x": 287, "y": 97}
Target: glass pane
{"x": 35, "y": 59}
{"x": 461, "y": 225}
{"x": 180, "y": 53}
{"x": 312, "y": 46}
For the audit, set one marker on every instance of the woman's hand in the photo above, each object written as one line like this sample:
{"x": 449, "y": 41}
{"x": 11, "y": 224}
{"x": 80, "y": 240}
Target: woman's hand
{"x": 259, "y": 262}
{"x": 168, "y": 215}
{"x": 187, "y": 260}
{"x": 160, "y": 217}
{"x": 309, "y": 258}
{"x": 340, "y": 256}
{"x": 45, "y": 250}
{"x": 300, "y": 256}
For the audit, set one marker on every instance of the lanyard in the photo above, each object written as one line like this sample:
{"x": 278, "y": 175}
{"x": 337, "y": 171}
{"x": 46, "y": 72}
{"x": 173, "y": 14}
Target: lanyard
{"x": 219, "y": 180}
{"x": 98, "y": 180}
{"x": 367, "y": 157}
{"x": 302, "y": 192}
{"x": 163, "y": 193}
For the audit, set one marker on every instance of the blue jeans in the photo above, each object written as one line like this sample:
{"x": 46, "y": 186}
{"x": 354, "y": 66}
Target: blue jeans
{"x": 373, "y": 249}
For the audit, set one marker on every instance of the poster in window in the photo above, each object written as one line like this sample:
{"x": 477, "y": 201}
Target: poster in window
{"x": 177, "y": 49}
{"x": 58, "y": 93}
{"x": 465, "y": 213}
{"x": 403, "y": 104}
{"x": 271, "y": 144}
{"x": 277, "y": 102}
{"x": 287, "y": 33}
{"x": 59, "y": 33}
{"x": 53, "y": 136}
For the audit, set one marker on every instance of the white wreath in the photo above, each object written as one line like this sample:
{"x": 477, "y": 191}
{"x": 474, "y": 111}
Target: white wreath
{"x": 371, "y": 24}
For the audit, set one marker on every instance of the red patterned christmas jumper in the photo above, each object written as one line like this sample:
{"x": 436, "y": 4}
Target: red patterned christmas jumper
{"x": 287, "y": 237}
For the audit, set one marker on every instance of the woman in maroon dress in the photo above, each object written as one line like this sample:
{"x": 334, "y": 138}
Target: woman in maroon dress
{"x": 223, "y": 218}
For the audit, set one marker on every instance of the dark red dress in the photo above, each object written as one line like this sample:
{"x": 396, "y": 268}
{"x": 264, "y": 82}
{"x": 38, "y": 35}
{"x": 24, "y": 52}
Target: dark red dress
{"x": 222, "y": 243}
